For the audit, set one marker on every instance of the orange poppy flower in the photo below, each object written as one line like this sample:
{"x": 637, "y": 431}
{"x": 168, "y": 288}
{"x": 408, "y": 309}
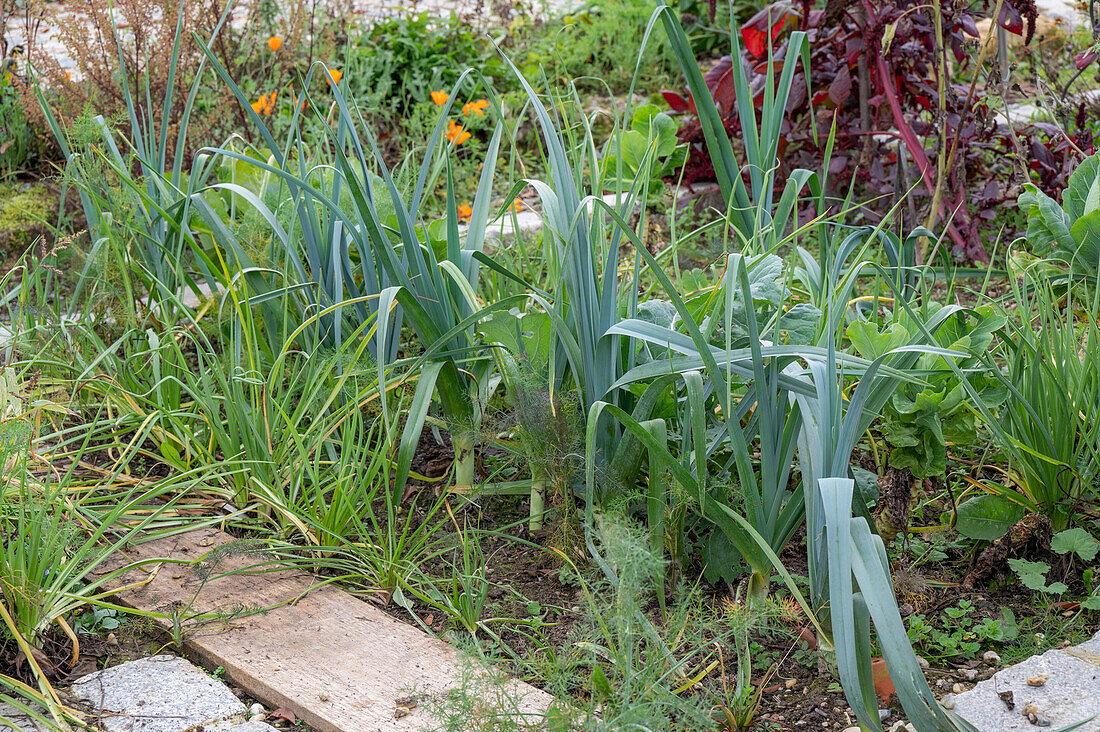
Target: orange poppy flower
{"x": 517, "y": 205}
{"x": 265, "y": 104}
{"x": 336, "y": 75}
{"x": 465, "y": 212}
{"x": 475, "y": 108}
{"x": 457, "y": 133}
{"x": 275, "y": 43}
{"x": 440, "y": 98}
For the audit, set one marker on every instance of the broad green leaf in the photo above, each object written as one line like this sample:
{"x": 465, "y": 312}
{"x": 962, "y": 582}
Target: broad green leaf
{"x": 866, "y": 486}
{"x": 1047, "y": 224}
{"x": 987, "y": 517}
{"x": 1082, "y": 195}
{"x": 1031, "y": 574}
{"x": 723, "y": 561}
{"x": 800, "y": 323}
{"x": 870, "y": 343}
{"x": 1086, "y": 234}
{"x": 634, "y": 149}
{"x": 527, "y": 334}
{"x": 658, "y": 312}
{"x": 1075, "y": 540}
{"x": 655, "y": 125}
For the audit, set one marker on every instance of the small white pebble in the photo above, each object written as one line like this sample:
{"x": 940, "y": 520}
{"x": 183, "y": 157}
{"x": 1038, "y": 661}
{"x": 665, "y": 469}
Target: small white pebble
{"x": 991, "y": 657}
{"x": 948, "y": 702}
{"x": 255, "y": 709}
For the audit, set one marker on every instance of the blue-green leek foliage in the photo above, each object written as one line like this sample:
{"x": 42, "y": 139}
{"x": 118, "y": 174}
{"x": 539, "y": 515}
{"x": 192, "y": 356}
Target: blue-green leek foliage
{"x": 399, "y": 268}
{"x": 149, "y": 216}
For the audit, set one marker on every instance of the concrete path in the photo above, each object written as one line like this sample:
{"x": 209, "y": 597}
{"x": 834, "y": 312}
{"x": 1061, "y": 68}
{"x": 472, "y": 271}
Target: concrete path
{"x": 157, "y": 694}
{"x": 1054, "y": 690}
{"x": 163, "y": 694}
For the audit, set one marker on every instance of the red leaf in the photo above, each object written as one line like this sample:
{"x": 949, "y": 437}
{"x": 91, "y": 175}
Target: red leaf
{"x": 755, "y": 40}
{"x": 1084, "y": 59}
{"x": 841, "y": 88}
{"x": 838, "y": 164}
{"x": 719, "y": 71}
{"x": 755, "y": 31}
{"x": 283, "y": 713}
{"x": 966, "y": 20}
{"x": 677, "y": 101}
{"x": 762, "y": 67}
{"x": 1010, "y": 20}
{"x": 720, "y": 81}
{"x": 819, "y": 97}
{"x": 1066, "y": 605}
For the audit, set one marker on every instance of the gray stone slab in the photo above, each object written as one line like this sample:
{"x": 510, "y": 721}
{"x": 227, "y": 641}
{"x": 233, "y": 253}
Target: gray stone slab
{"x": 22, "y": 721}
{"x": 157, "y": 694}
{"x": 1071, "y": 693}
{"x": 242, "y": 727}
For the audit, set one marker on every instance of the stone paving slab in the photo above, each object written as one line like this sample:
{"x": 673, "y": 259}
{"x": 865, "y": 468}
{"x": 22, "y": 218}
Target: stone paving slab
{"x": 241, "y": 727}
{"x": 158, "y": 694}
{"x": 1070, "y": 694}
{"x": 23, "y": 723}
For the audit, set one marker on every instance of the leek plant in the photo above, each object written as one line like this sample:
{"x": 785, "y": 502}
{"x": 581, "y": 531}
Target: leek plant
{"x": 755, "y": 214}
{"x": 571, "y": 318}
{"x": 400, "y": 268}
{"x": 839, "y": 545}
{"x": 803, "y": 405}
{"x": 582, "y": 251}
{"x": 848, "y": 567}
{"x": 136, "y": 195}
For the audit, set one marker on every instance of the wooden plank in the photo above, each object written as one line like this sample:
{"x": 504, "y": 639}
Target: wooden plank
{"x": 337, "y": 662}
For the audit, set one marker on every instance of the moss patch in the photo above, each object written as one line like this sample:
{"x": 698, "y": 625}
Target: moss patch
{"x": 24, "y": 211}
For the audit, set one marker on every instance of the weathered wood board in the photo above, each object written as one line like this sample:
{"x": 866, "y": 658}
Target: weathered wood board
{"x": 339, "y": 663}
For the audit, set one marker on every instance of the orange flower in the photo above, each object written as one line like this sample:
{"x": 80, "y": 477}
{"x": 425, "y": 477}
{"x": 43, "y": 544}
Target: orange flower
{"x": 465, "y": 212}
{"x": 475, "y": 108}
{"x": 456, "y": 133}
{"x": 336, "y": 75}
{"x": 440, "y": 98}
{"x": 275, "y": 43}
{"x": 265, "y": 104}
{"x": 517, "y": 206}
